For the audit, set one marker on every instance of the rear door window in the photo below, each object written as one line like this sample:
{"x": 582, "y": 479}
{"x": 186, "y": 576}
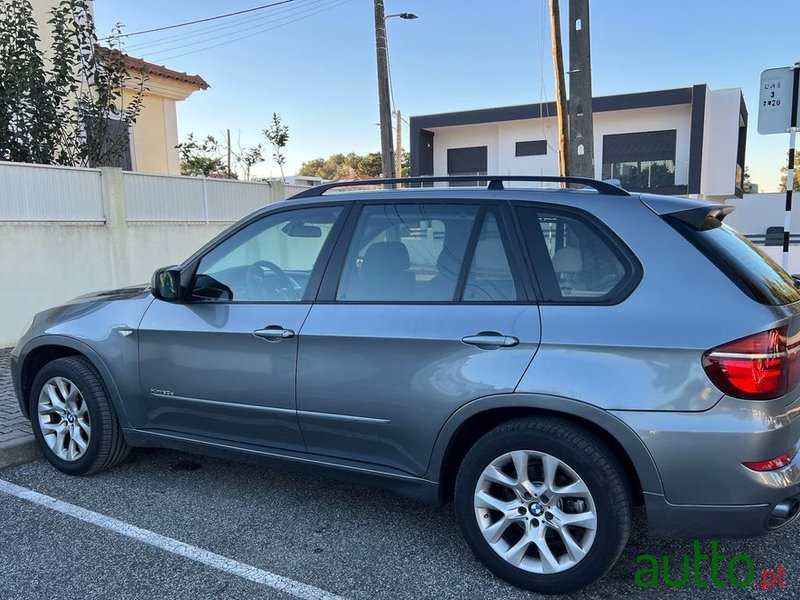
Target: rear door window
{"x": 575, "y": 260}
{"x": 407, "y": 253}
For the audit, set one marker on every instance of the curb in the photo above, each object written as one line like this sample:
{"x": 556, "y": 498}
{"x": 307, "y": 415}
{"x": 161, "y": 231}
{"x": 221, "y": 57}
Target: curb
{"x": 19, "y": 451}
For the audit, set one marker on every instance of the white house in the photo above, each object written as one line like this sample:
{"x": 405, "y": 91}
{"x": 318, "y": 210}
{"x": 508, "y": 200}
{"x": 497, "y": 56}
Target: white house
{"x": 684, "y": 141}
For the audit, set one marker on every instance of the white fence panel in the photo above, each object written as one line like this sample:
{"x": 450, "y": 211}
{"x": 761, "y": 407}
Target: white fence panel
{"x": 291, "y": 190}
{"x": 164, "y": 198}
{"x": 230, "y": 200}
{"x": 47, "y": 193}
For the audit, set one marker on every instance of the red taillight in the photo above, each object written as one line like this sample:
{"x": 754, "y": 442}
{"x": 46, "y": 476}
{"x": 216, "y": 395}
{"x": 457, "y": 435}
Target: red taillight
{"x": 770, "y": 465}
{"x": 758, "y": 367}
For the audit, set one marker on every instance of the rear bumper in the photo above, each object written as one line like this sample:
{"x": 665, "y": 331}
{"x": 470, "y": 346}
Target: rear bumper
{"x": 707, "y": 491}
{"x": 714, "y": 521}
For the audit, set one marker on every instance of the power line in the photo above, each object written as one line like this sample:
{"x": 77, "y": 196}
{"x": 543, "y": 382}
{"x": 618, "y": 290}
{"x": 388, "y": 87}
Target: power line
{"x": 168, "y": 40}
{"x": 280, "y": 19}
{"x": 331, "y": 5}
{"x": 196, "y": 21}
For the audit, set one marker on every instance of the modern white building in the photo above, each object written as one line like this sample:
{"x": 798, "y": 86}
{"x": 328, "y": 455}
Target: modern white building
{"x": 684, "y": 141}
{"x": 306, "y": 180}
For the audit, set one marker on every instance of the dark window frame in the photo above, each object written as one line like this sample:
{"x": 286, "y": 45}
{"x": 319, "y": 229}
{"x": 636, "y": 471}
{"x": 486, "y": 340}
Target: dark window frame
{"x": 506, "y": 222}
{"x": 542, "y": 264}
{"x": 531, "y": 148}
{"x": 190, "y": 266}
{"x": 640, "y": 156}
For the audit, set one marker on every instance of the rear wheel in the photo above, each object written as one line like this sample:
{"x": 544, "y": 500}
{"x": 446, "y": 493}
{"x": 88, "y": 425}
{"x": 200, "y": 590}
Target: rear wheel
{"x": 543, "y": 504}
{"x": 73, "y": 419}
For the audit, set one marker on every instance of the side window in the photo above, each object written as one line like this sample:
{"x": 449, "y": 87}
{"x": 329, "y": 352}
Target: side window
{"x": 580, "y": 263}
{"x": 270, "y": 260}
{"x": 407, "y": 253}
{"x": 490, "y": 277}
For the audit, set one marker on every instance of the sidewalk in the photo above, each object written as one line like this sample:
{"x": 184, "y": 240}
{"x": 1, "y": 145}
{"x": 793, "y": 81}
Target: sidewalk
{"x": 16, "y": 439}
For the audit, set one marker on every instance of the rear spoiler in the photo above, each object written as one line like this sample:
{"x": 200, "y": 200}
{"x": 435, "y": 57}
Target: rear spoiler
{"x": 692, "y": 212}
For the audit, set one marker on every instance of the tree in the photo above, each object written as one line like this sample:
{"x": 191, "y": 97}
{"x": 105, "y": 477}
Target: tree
{"x": 201, "y": 157}
{"x": 67, "y": 108}
{"x": 247, "y": 158}
{"x": 746, "y": 184}
{"x": 278, "y": 136}
{"x": 343, "y": 166}
{"x": 784, "y": 170}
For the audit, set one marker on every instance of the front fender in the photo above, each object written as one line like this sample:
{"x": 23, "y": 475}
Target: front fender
{"x": 631, "y": 443}
{"x": 80, "y": 348}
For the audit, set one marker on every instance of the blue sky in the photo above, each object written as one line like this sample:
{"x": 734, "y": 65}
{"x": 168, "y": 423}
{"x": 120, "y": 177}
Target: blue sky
{"x": 313, "y": 61}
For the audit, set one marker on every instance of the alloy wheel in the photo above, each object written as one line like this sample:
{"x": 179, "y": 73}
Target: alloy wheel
{"x": 535, "y": 512}
{"x": 64, "y": 419}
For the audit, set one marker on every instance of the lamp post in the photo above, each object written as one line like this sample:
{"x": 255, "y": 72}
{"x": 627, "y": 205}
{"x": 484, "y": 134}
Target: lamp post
{"x": 384, "y": 103}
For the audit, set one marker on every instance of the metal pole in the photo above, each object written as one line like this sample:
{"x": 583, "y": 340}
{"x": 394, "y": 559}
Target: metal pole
{"x": 385, "y": 110}
{"x": 561, "y": 92}
{"x": 398, "y": 159}
{"x": 787, "y": 222}
{"x": 229, "y": 152}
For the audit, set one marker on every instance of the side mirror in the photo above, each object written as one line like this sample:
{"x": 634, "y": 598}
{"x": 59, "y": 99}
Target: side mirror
{"x": 166, "y": 284}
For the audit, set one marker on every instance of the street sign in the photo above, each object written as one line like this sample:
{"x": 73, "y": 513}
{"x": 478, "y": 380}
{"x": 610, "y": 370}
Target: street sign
{"x": 779, "y": 112}
{"x": 775, "y": 100}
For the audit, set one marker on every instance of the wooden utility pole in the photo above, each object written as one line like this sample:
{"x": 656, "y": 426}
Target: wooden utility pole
{"x": 385, "y": 110}
{"x": 229, "y": 153}
{"x": 398, "y": 159}
{"x": 581, "y": 126}
{"x": 561, "y": 92}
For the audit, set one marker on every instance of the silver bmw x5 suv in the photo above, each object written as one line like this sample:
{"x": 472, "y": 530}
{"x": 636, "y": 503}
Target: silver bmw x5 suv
{"x": 547, "y": 359}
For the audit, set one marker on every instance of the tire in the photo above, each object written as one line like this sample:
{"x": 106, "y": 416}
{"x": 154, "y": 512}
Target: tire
{"x": 575, "y": 555}
{"x": 73, "y": 420}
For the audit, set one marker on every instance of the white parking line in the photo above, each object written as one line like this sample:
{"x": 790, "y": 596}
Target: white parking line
{"x": 173, "y": 546}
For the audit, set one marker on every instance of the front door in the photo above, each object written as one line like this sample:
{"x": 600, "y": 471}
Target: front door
{"x": 221, "y": 364}
{"x": 429, "y": 314}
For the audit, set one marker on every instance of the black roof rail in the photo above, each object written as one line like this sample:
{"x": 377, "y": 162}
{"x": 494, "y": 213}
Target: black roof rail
{"x": 495, "y": 182}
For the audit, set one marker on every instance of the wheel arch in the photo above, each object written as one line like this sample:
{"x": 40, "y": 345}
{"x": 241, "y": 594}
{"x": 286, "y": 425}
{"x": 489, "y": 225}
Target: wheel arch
{"x": 42, "y": 350}
{"x": 477, "y": 418}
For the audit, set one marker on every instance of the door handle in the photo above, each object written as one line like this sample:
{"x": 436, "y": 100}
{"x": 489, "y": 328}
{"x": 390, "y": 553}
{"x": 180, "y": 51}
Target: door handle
{"x": 488, "y": 339}
{"x": 274, "y": 333}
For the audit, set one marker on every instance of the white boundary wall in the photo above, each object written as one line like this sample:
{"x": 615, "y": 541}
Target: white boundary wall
{"x": 65, "y": 232}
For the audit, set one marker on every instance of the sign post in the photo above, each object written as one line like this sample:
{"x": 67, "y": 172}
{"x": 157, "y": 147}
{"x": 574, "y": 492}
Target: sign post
{"x": 778, "y": 109}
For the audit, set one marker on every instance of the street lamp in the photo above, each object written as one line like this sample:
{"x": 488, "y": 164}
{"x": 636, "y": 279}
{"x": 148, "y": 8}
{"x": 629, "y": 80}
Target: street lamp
{"x": 384, "y": 105}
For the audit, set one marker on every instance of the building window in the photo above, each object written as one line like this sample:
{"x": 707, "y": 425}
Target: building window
{"x": 114, "y": 145}
{"x": 640, "y": 160}
{"x": 467, "y": 161}
{"x": 532, "y": 148}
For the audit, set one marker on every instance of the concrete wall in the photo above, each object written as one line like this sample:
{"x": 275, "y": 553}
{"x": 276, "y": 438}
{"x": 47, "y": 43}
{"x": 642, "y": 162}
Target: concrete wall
{"x": 755, "y": 212}
{"x": 47, "y": 261}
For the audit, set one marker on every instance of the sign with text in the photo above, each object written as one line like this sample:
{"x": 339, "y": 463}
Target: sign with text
{"x": 775, "y": 100}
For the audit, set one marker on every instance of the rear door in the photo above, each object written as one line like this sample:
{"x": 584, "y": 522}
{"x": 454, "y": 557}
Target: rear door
{"x": 423, "y": 309}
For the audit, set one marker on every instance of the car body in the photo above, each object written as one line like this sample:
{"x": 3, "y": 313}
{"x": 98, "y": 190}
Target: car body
{"x": 604, "y": 314}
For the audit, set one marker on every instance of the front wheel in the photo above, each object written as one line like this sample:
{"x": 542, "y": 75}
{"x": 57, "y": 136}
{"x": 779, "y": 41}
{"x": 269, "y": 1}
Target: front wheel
{"x": 543, "y": 504}
{"x": 73, "y": 419}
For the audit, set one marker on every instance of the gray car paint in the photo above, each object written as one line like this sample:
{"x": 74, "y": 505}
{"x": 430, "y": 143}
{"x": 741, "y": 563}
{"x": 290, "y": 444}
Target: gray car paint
{"x": 405, "y": 365}
{"x": 632, "y": 369}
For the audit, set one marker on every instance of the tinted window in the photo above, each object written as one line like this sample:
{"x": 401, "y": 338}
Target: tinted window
{"x": 270, "y": 260}
{"x": 403, "y": 253}
{"x": 575, "y": 260}
{"x": 747, "y": 265}
{"x": 490, "y": 277}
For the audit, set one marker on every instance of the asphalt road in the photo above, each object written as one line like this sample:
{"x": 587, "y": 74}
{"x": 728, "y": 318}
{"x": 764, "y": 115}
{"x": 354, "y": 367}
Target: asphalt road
{"x": 354, "y": 542}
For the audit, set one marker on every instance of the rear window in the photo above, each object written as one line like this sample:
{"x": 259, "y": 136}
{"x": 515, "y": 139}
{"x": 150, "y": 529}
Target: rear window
{"x": 744, "y": 263}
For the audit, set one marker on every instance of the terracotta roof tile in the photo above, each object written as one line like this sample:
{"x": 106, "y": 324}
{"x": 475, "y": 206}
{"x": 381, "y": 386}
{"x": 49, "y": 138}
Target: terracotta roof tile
{"x": 152, "y": 69}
